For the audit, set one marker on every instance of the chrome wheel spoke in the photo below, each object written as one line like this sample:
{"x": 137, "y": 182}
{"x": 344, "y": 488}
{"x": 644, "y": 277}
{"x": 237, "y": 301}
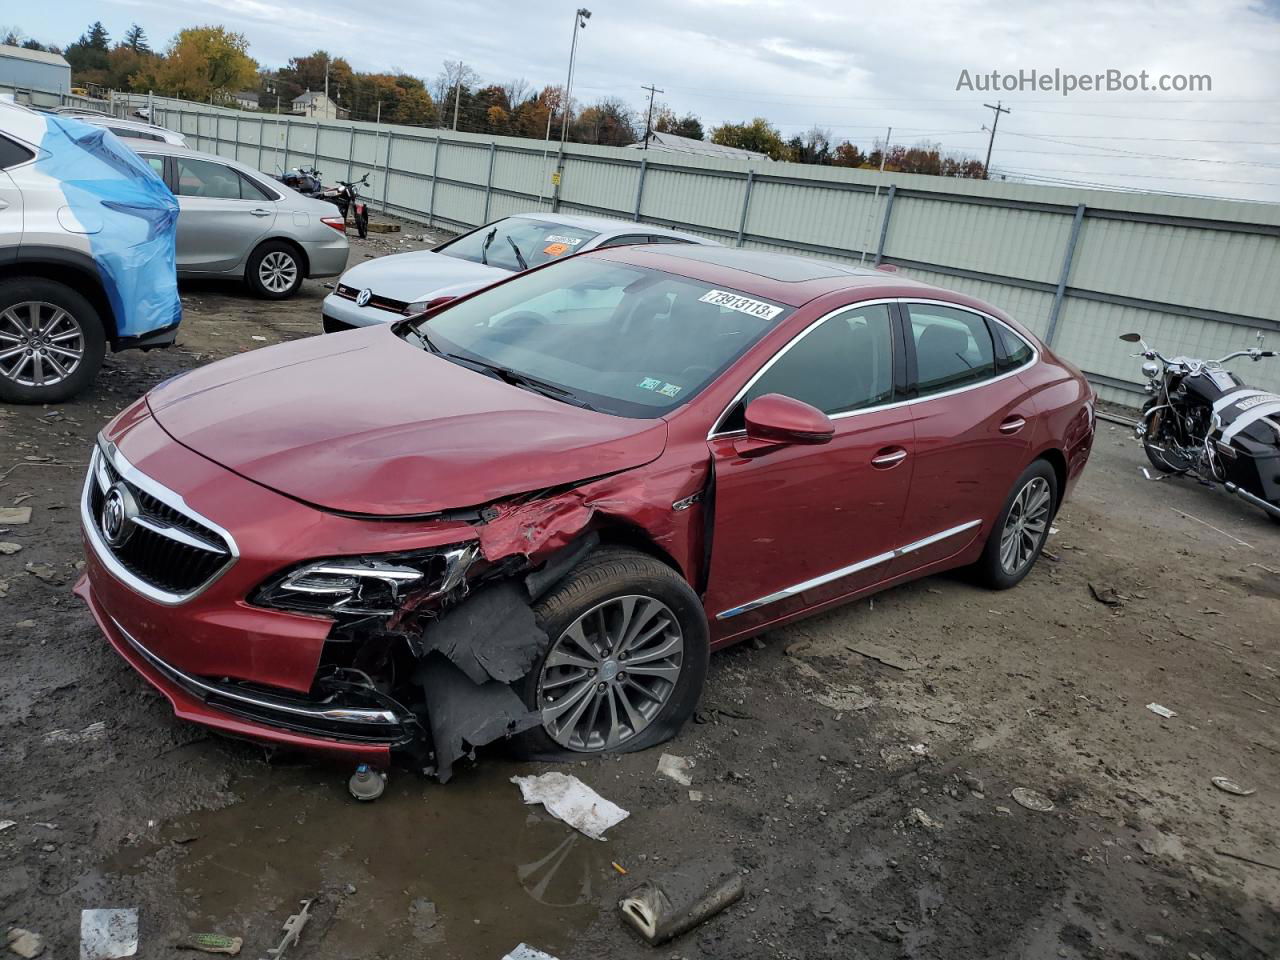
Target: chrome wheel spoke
{"x": 577, "y": 697}
{"x": 665, "y": 671}
{"x": 559, "y": 657}
{"x": 1026, "y": 526}
{"x": 659, "y": 652}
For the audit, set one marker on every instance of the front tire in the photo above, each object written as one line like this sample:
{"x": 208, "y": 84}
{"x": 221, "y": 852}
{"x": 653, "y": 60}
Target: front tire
{"x": 274, "y": 270}
{"x": 1156, "y": 444}
{"x": 1021, "y": 528}
{"x": 51, "y": 341}
{"x": 626, "y": 662}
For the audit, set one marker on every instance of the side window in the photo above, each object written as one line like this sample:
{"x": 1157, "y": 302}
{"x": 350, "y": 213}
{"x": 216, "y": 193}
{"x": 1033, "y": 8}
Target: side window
{"x": 1016, "y": 350}
{"x": 953, "y": 348}
{"x": 204, "y": 178}
{"x": 663, "y": 238}
{"x": 845, "y": 364}
{"x": 156, "y": 164}
{"x": 251, "y": 191}
{"x": 12, "y": 154}
{"x": 129, "y": 134}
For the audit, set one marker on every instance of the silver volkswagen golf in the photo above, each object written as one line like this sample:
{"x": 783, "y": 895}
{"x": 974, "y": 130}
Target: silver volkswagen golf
{"x": 237, "y": 222}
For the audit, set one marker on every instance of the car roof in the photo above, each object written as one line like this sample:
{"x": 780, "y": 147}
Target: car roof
{"x": 781, "y": 277}
{"x": 608, "y": 226}
{"x": 102, "y": 120}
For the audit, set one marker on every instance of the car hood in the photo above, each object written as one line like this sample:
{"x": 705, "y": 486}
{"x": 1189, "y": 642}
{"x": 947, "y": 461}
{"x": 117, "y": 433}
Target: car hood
{"x": 363, "y": 422}
{"x": 421, "y": 275}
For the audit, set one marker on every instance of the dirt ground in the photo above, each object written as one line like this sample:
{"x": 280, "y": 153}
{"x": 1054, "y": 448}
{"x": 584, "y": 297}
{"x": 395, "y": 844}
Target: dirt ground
{"x": 867, "y": 806}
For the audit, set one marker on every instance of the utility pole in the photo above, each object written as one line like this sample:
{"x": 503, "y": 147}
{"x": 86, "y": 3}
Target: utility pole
{"x": 884, "y": 151}
{"x": 326, "y": 82}
{"x": 999, "y": 109}
{"x": 457, "y": 97}
{"x": 648, "y": 124}
{"x": 580, "y": 18}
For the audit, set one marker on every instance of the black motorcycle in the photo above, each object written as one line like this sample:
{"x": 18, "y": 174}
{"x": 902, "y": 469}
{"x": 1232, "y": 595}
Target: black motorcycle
{"x": 305, "y": 180}
{"x": 1205, "y": 421}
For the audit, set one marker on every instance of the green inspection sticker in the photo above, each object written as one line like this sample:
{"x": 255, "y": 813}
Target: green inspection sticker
{"x": 649, "y": 383}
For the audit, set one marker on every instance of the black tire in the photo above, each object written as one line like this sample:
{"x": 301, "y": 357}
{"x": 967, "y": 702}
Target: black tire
{"x": 607, "y": 574}
{"x": 267, "y": 281}
{"x": 990, "y": 570}
{"x": 79, "y": 313}
{"x": 362, "y": 223}
{"x": 1154, "y": 445}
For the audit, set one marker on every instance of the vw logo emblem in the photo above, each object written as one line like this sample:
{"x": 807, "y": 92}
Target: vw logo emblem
{"x": 118, "y": 510}
{"x": 363, "y": 297}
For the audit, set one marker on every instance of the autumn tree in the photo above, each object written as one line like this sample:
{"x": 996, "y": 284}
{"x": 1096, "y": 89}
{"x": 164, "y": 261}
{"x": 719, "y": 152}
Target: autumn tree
{"x": 202, "y": 63}
{"x": 608, "y": 122}
{"x": 758, "y": 135}
{"x": 666, "y": 121}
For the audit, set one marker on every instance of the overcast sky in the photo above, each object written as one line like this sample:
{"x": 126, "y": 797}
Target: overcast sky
{"x": 852, "y": 68}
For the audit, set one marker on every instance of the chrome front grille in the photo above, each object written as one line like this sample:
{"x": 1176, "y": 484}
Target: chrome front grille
{"x": 146, "y": 535}
{"x": 380, "y": 303}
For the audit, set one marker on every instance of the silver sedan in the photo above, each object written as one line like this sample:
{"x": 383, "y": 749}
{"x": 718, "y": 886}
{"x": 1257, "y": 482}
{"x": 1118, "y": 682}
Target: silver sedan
{"x": 388, "y": 288}
{"x": 237, "y": 222}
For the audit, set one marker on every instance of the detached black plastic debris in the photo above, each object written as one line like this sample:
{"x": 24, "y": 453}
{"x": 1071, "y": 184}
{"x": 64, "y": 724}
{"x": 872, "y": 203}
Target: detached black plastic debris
{"x": 465, "y": 714}
{"x": 490, "y": 635}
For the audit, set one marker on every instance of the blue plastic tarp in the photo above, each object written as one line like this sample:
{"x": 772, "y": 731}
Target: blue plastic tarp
{"x": 127, "y": 215}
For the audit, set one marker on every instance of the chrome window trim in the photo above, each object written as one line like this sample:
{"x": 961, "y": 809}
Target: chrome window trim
{"x": 97, "y": 476}
{"x": 195, "y": 684}
{"x": 825, "y": 578}
{"x": 713, "y": 434}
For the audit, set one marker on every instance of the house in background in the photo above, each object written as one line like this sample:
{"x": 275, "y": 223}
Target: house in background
{"x": 670, "y": 143}
{"x": 246, "y": 99}
{"x": 315, "y": 104}
{"x": 22, "y": 69}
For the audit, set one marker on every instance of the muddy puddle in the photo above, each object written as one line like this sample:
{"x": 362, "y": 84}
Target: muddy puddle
{"x": 465, "y": 868}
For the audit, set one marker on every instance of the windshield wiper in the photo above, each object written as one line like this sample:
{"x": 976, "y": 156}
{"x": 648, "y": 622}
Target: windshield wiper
{"x": 519, "y": 256}
{"x": 424, "y": 341}
{"x": 518, "y": 379}
{"x": 484, "y": 249}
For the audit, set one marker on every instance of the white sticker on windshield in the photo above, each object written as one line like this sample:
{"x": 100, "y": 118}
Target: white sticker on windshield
{"x": 732, "y": 301}
{"x": 669, "y": 389}
{"x": 556, "y": 238}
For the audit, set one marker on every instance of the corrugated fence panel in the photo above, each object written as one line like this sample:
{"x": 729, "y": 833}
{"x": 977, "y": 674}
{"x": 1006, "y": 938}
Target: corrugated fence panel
{"x": 1214, "y": 269}
{"x": 1195, "y": 276}
{"x": 1020, "y": 243}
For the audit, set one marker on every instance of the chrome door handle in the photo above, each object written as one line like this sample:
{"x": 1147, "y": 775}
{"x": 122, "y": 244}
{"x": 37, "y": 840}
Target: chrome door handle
{"x": 889, "y": 459}
{"x": 259, "y": 212}
{"x": 1013, "y": 425}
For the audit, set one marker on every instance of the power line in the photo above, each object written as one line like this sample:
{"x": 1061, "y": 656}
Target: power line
{"x": 1151, "y": 156}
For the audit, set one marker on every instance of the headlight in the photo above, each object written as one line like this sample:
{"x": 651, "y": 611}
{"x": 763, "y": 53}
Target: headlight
{"x": 373, "y": 585}
{"x": 422, "y": 306}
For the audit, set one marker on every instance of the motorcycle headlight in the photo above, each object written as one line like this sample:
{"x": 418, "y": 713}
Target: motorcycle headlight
{"x": 373, "y": 585}
{"x": 1151, "y": 370}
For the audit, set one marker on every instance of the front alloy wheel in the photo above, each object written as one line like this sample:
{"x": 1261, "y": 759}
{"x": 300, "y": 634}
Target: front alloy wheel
{"x": 278, "y": 272}
{"x": 625, "y": 661}
{"x": 610, "y": 673}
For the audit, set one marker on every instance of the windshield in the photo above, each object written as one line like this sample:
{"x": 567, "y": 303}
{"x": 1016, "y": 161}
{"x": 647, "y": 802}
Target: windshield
{"x": 621, "y": 339}
{"x": 505, "y": 243}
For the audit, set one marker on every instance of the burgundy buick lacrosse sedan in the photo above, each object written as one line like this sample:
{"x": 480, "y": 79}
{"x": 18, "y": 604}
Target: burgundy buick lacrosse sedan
{"x": 534, "y": 511}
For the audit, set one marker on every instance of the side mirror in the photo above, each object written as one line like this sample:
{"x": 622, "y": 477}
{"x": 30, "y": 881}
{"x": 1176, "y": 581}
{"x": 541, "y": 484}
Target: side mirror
{"x": 1131, "y": 337}
{"x": 774, "y": 421}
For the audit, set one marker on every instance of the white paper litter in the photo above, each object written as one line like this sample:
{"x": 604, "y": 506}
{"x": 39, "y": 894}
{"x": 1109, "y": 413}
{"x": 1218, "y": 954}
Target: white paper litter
{"x": 569, "y": 799}
{"x": 677, "y": 768}
{"x": 526, "y": 952}
{"x": 108, "y": 934}
{"x": 1162, "y": 711}
{"x": 6, "y": 824}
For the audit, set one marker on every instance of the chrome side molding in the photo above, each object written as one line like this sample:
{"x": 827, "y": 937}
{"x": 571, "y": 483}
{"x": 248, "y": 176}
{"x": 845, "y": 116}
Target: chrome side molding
{"x": 853, "y": 568}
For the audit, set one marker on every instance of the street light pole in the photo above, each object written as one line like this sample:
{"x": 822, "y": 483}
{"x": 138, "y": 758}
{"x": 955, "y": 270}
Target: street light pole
{"x": 580, "y": 18}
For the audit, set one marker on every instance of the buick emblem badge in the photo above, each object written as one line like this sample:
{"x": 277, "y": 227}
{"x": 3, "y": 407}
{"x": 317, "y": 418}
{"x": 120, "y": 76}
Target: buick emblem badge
{"x": 118, "y": 510}
{"x": 363, "y": 297}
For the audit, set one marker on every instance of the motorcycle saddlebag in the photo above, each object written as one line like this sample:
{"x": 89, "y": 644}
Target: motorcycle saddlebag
{"x": 1247, "y": 440}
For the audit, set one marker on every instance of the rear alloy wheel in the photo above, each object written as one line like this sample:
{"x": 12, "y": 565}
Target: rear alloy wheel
{"x": 626, "y": 661}
{"x": 274, "y": 271}
{"x": 51, "y": 342}
{"x": 1021, "y": 529}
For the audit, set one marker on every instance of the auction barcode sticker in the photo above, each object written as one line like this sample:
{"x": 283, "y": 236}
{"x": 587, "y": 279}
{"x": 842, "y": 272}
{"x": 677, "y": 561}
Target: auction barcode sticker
{"x": 733, "y": 301}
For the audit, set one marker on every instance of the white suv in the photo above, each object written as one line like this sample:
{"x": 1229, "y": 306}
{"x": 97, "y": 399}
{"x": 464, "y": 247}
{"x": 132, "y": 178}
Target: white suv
{"x": 86, "y": 254}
